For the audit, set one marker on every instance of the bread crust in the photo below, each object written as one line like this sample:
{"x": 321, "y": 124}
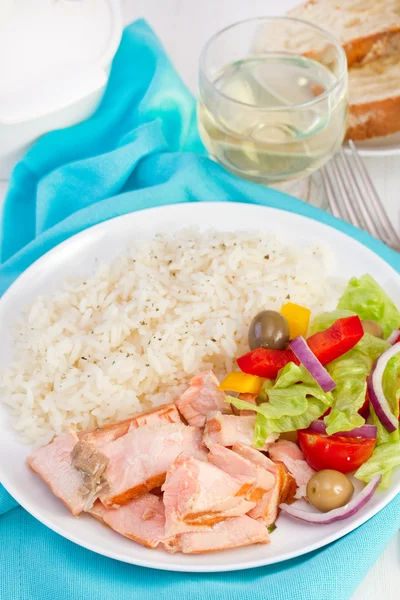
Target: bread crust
{"x": 374, "y": 119}
{"x": 362, "y": 49}
{"x": 366, "y": 49}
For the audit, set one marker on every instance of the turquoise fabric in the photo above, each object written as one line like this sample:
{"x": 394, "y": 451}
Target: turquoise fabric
{"x": 141, "y": 149}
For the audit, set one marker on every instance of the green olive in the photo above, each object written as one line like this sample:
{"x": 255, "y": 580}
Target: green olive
{"x": 329, "y": 489}
{"x": 268, "y": 329}
{"x": 372, "y": 327}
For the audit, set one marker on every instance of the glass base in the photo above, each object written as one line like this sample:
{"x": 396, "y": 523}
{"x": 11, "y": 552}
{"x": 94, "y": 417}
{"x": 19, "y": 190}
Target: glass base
{"x": 310, "y": 189}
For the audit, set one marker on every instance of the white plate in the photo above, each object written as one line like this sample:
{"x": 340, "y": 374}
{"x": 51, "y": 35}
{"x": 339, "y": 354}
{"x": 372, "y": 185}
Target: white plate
{"x": 383, "y": 146}
{"x": 103, "y": 242}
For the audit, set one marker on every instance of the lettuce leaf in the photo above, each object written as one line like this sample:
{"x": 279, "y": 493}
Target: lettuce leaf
{"x": 265, "y": 427}
{"x": 391, "y": 389}
{"x": 383, "y": 460}
{"x": 263, "y": 393}
{"x": 382, "y": 436}
{"x": 294, "y": 401}
{"x": 365, "y": 297}
{"x": 391, "y": 384}
{"x": 350, "y": 372}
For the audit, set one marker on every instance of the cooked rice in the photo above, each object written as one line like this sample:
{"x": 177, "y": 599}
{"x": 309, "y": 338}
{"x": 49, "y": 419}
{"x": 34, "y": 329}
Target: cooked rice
{"x": 132, "y": 335}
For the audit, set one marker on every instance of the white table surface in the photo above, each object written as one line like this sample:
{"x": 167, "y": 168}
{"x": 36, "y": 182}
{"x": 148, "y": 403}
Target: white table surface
{"x": 184, "y": 26}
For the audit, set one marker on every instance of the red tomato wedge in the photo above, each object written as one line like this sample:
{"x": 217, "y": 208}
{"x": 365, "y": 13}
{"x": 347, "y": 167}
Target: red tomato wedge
{"x": 334, "y": 452}
{"x": 327, "y": 345}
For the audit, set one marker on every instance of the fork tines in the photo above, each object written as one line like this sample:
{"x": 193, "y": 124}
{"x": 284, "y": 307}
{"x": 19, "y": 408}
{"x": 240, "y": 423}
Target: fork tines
{"x": 353, "y": 197}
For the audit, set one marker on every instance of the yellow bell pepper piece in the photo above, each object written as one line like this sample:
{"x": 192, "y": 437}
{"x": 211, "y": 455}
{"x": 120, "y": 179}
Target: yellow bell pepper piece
{"x": 242, "y": 383}
{"x": 298, "y": 318}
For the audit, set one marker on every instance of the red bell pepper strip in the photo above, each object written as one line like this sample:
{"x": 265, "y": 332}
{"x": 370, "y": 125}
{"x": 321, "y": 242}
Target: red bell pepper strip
{"x": 341, "y": 337}
{"x": 327, "y": 345}
{"x": 267, "y": 362}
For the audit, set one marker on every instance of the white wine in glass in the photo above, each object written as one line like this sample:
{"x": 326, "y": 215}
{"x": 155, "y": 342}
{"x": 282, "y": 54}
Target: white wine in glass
{"x": 271, "y": 116}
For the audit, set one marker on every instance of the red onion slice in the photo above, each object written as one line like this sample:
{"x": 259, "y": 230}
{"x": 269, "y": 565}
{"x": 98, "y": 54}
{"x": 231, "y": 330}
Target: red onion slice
{"x": 348, "y": 510}
{"x": 394, "y": 337}
{"x": 366, "y": 431}
{"x": 375, "y": 390}
{"x": 308, "y": 359}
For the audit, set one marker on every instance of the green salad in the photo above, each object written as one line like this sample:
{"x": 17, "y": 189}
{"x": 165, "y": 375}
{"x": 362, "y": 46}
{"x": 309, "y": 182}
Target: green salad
{"x": 337, "y": 384}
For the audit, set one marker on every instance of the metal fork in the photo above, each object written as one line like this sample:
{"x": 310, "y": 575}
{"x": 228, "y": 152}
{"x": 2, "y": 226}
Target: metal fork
{"x": 352, "y": 196}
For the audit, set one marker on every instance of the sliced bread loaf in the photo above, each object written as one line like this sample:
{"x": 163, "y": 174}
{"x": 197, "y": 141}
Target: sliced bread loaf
{"x": 374, "y": 94}
{"x": 367, "y": 29}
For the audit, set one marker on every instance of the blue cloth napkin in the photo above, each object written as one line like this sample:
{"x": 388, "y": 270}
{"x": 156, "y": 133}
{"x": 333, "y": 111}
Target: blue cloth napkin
{"x": 141, "y": 149}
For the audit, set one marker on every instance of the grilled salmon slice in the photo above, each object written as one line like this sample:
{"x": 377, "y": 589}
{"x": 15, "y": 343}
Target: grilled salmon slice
{"x": 234, "y": 464}
{"x": 141, "y": 520}
{"x": 201, "y": 398}
{"x": 108, "y": 433}
{"x": 197, "y": 495}
{"x": 98, "y": 510}
{"x": 138, "y": 461}
{"x": 53, "y": 464}
{"x": 283, "y": 490}
{"x": 267, "y": 509}
{"x": 289, "y": 454}
{"x": 71, "y": 465}
{"x": 231, "y": 533}
{"x": 227, "y": 430}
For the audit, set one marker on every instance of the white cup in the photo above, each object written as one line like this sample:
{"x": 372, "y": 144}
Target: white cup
{"x": 55, "y": 58}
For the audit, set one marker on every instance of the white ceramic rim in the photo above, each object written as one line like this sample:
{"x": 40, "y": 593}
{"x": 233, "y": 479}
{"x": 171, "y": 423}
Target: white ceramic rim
{"x": 375, "y": 151}
{"x": 116, "y": 33}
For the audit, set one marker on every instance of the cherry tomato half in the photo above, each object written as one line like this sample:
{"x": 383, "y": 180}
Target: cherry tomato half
{"x": 334, "y": 452}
